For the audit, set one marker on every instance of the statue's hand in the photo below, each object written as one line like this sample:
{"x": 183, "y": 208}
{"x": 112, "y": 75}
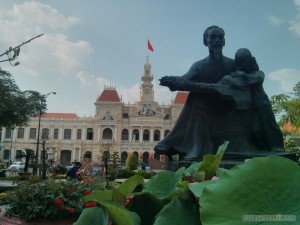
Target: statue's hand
{"x": 228, "y": 80}
{"x": 172, "y": 82}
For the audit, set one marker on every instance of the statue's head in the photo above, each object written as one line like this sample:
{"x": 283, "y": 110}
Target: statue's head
{"x": 214, "y": 39}
{"x": 245, "y": 61}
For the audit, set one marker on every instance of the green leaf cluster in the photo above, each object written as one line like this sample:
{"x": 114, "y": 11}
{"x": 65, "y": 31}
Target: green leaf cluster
{"x": 132, "y": 162}
{"x": 287, "y": 107}
{"x": 36, "y": 200}
{"x": 16, "y": 106}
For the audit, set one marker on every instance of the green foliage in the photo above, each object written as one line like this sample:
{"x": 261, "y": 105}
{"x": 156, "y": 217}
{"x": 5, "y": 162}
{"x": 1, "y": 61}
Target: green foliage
{"x": 95, "y": 215}
{"x": 145, "y": 174}
{"x": 114, "y": 160}
{"x": 50, "y": 199}
{"x": 132, "y": 162}
{"x": 147, "y": 206}
{"x": 211, "y": 163}
{"x": 287, "y": 108}
{"x": 166, "y": 199}
{"x": 2, "y": 165}
{"x": 58, "y": 169}
{"x": 16, "y": 106}
{"x": 178, "y": 212}
{"x": 5, "y": 198}
{"x": 111, "y": 200}
{"x": 166, "y": 179}
{"x": 261, "y": 186}
{"x": 125, "y": 173}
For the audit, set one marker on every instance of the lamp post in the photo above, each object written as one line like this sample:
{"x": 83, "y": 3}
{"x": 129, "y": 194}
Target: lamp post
{"x": 38, "y": 137}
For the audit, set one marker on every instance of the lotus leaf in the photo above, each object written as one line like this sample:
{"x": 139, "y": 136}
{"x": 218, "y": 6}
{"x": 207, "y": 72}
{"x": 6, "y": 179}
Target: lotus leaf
{"x": 263, "y": 186}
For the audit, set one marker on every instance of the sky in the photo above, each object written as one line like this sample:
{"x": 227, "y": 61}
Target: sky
{"x": 89, "y": 44}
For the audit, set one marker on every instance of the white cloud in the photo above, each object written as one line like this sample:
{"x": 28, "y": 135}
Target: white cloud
{"x": 295, "y": 23}
{"x": 131, "y": 94}
{"x": 275, "y": 20}
{"x": 51, "y": 53}
{"x": 90, "y": 80}
{"x": 287, "y": 78}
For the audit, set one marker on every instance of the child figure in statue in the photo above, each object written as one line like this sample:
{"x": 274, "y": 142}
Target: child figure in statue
{"x": 265, "y": 130}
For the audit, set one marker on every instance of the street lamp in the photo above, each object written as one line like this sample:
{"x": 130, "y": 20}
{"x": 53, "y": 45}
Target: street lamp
{"x": 38, "y": 137}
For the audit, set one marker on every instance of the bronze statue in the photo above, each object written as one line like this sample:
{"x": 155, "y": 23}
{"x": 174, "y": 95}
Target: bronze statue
{"x": 219, "y": 107}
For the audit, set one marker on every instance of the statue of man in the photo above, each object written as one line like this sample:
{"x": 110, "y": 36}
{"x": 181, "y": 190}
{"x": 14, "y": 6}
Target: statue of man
{"x": 191, "y": 137}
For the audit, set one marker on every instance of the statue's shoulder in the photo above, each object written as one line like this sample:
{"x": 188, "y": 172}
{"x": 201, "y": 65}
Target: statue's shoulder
{"x": 228, "y": 60}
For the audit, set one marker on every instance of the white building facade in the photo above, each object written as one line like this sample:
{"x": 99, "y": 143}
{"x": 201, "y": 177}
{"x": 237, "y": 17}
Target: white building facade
{"x": 116, "y": 127}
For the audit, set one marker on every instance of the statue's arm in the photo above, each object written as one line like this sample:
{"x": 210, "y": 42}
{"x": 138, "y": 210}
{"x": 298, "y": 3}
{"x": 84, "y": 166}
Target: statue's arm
{"x": 241, "y": 79}
{"x": 180, "y": 83}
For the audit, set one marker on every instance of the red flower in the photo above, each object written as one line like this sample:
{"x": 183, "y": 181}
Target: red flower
{"x": 72, "y": 210}
{"x": 93, "y": 180}
{"x": 87, "y": 192}
{"x": 62, "y": 207}
{"x": 90, "y": 204}
{"x": 57, "y": 201}
{"x": 127, "y": 200}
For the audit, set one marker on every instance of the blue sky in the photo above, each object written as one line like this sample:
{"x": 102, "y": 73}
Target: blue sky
{"x": 87, "y": 44}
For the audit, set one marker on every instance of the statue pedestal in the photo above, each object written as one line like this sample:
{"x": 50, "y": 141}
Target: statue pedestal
{"x": 231, "y": 159}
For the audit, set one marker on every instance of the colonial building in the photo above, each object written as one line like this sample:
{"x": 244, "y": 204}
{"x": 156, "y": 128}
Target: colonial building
{"x": 115, "y": 127}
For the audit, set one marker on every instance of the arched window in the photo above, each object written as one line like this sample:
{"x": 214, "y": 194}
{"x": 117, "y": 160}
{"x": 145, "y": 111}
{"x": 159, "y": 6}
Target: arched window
{"x": 45, "y": 133}
{"x": 136, "y": 154}
{"x": 146, "y": 135}
{"x": 65, "y": 158}
{"x": 88, "y": 155}
{"x": 78, "y": 134}
{"x": 32, "y": 133}
{"x": 135, "y": 135}
{"x": 89, "y": 134}
{"x": 55, "y": 135}
{"x": 20, "y": 133}
{"x": 8, "y": 133}
{"x": 156, "y": 156}
{"x": 6, "y": 154}
{"x": 107, "y": 134}
{"x": 124, "y": 156}
{"x": 67, "y": 134}
{"x": 146, "y": 158}
{"x": 156, "y": 135}
{"x": 124, "y": 135}
{"x": 19, "y": 154}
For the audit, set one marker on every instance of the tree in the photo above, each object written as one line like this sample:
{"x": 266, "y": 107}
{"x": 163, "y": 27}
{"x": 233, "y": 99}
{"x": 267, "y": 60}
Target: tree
{"x": 287, "y": 107}
{"x": 16, "y": 106}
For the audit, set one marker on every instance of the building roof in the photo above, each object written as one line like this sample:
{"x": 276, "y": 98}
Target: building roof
{"x": 181, "y": 97}
{"x": 60, "y": 115}
{"x": 109, "y": 95}
{"x": 290, "y": 128}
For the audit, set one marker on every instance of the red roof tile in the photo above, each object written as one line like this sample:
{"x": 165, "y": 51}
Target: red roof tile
{"x": 109, "y": 95}
{"x": 60, "y": 115}
{"x": 181, "y": 97}
{"x": 289, "y": 127}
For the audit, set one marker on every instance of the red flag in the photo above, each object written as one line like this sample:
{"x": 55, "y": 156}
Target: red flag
{"x": 150, "y": 46}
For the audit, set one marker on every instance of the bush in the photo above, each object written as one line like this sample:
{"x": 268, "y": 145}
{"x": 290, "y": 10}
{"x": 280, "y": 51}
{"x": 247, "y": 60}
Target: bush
{"x": 132, "y": 162}
{"x": 125, "y": 173}
{"x": 58, "y": 169}
{"x": 4, "y": 198}
{"x": 51, "y": 199}
{"x": 145, "y": 174}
